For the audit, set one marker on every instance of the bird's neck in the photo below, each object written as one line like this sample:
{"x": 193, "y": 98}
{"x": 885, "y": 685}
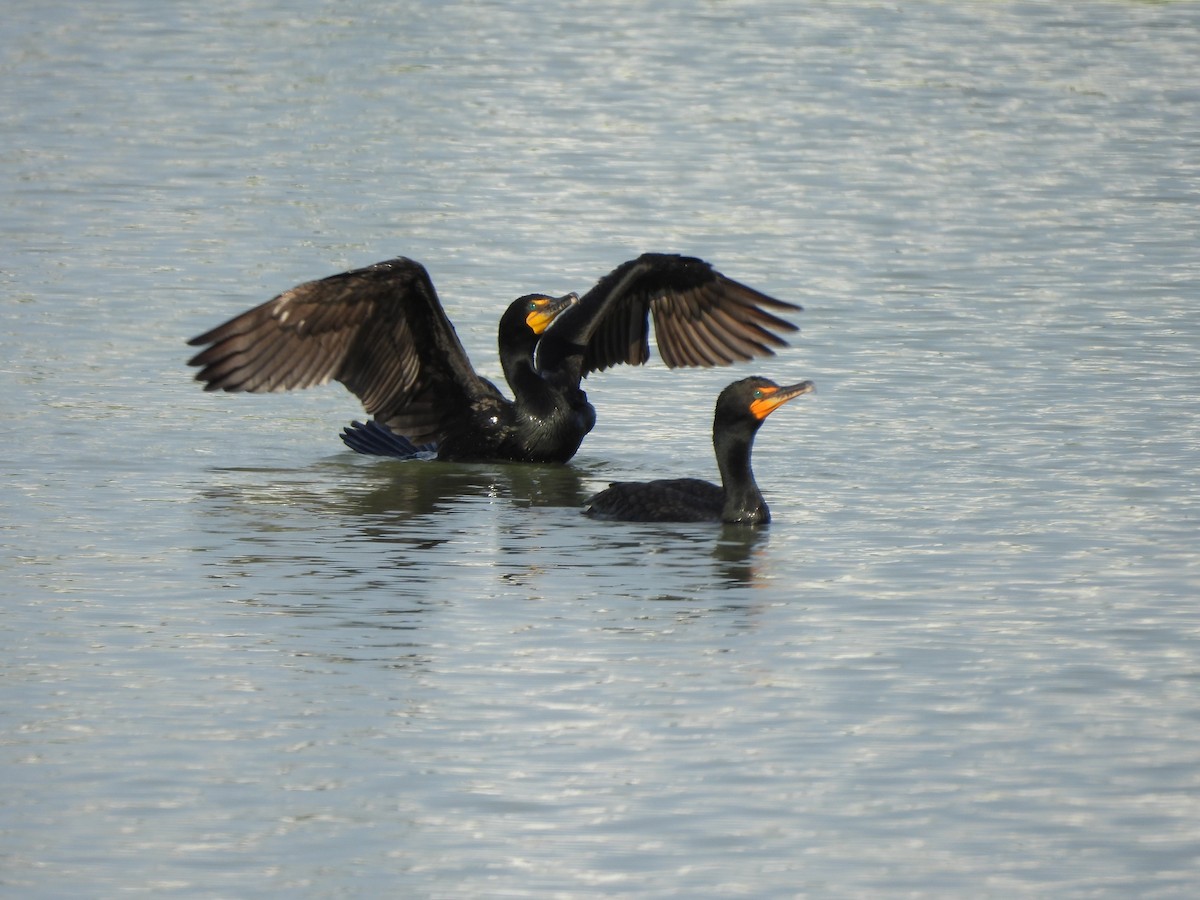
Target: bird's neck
{"x": 744, "y": 502}
{"x": 533, "y": 395}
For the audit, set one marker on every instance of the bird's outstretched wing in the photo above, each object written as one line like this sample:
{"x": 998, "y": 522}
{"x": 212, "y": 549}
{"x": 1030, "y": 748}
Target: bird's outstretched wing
{"x": 380, "y": 330}
{"x": 701, "y": 318}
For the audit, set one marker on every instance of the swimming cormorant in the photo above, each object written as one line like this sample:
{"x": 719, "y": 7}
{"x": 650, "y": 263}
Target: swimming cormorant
{"x": 741, "y": 409}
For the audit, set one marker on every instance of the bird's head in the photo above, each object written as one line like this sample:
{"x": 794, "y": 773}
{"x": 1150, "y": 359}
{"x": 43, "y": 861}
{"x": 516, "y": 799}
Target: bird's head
{"x": 758, "y": 397}
{"x": 537, "y": 311}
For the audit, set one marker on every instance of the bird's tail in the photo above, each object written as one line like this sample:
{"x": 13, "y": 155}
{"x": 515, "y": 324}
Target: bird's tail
{"x": 374, "y": 439}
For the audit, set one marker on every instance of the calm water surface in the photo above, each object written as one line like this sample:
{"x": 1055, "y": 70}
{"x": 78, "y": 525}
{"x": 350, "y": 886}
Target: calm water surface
{"x": 964, "y": 660}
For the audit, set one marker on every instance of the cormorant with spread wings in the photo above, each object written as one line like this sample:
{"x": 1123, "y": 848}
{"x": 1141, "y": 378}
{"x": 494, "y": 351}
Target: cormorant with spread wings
{"x": 382, "y": 332}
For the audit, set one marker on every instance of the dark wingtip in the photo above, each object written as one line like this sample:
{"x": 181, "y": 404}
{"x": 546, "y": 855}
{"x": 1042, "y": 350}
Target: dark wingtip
{"x": 372, "y": 439}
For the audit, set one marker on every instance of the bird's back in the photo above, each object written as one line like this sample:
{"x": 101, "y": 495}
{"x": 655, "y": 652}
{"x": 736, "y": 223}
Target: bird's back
{"x": 665, "y": 500}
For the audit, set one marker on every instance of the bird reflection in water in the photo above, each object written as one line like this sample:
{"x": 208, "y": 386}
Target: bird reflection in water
{"x": 389, "y": 519}
{"x": 379, "y": 496}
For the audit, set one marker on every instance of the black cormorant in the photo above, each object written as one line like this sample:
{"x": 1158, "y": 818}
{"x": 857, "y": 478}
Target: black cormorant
{"x": 741, "y": 409}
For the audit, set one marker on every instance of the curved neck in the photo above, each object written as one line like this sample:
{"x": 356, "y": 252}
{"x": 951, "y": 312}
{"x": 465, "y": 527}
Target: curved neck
{"x": 532, "y": 394}
{"x": 743, "y": 500}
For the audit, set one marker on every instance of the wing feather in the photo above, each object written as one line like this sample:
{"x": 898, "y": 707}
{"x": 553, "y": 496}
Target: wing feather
{"x": 700, "y": 317}
{"x": 380, "y": 330}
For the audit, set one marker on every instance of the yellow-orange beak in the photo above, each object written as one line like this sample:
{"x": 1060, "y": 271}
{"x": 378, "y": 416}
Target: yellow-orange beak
{"x": 773, "y": 398}
{"x": 546, "y": 309}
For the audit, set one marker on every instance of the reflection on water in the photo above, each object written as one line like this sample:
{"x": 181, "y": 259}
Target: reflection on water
{"x": 736, "y": 551}
{"x": 381, "y": 492}
{"x": 319, "y": 538}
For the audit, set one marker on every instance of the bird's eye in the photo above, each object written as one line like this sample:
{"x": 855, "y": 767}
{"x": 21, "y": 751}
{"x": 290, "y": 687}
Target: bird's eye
{"x": 758, "y": 394}
{"x": 533, "y": 305}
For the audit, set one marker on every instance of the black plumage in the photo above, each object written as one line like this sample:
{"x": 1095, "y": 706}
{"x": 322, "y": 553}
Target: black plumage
{"x": 740, "y": 411}
{"x": 382, "y": 332}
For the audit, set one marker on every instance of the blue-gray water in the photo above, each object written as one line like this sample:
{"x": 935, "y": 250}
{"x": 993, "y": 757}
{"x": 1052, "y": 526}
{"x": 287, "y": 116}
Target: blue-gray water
{"x": 964, "y": 660}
